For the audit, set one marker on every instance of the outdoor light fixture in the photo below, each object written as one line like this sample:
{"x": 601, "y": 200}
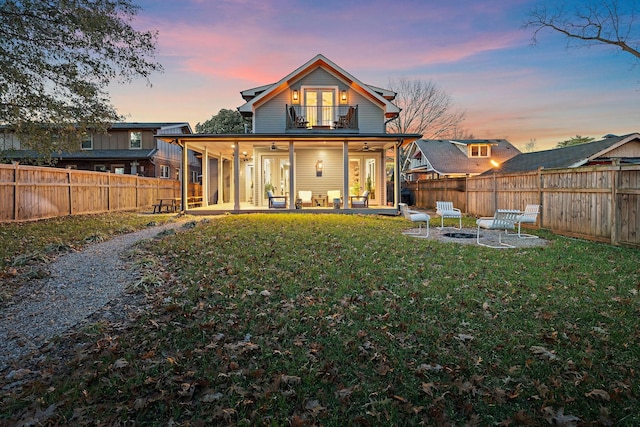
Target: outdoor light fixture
{"x": 319, "y": 168}
{"x": 343, "y": 97}
{"x": 494, "y": 163}
{"x": 296, "y": 96}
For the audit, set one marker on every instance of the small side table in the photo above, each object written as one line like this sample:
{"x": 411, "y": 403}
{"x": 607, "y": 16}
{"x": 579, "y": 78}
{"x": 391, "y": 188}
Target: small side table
{"x": 319, "y": 201}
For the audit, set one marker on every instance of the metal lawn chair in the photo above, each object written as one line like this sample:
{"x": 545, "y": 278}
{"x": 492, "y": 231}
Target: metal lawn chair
{"x": 446, "y": 210}
{"x": 415, "y": 216}
{"x": 503, "y": 219}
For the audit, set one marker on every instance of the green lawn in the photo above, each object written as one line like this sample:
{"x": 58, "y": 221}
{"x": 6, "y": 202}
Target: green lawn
{"x": 342, "y": 320}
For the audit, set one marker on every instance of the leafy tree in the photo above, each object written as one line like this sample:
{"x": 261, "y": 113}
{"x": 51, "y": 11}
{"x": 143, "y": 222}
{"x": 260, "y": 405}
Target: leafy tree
{"x": 58, "y": 58}
{"x": 593, "y": 22}
{"x": 226, "y": 121}
{"x": 426, "y": 109}
{"x": 575, "y": 140}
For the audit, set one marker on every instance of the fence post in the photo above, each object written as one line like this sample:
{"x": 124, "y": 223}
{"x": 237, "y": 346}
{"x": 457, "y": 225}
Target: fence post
{"x": 615, "y": 182}
{"x": 16, "y": 197}
{"x": 70, "y": 192}
{"x": 539, "y": 184}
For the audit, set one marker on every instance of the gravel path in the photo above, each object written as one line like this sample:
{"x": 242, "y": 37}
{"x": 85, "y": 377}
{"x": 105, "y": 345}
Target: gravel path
{"x": 80, "y": 283}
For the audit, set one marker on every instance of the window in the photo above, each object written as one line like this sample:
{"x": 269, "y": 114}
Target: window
{"x": 477, "y": 150}
{"x": 117, "y": 169}
{"x": 135, "y": 140}
{"x": 164, "y": 171}
{"x": 86, "y": 143}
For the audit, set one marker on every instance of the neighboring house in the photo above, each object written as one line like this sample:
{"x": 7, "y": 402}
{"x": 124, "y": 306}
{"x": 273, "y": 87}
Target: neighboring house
{"x": 622, "y": 149}
{"x": 318, "y": 129}
{"x": 127, "y": 148}
{"x": 437, "y": 158}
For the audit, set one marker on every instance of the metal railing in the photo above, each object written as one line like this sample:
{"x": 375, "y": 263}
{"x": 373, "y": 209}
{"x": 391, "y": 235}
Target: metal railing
{"x": 321, "y": 117}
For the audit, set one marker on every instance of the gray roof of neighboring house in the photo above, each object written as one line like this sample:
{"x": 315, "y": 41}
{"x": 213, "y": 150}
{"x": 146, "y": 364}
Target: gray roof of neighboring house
{"x": 446, "y": 156}
{"x": 566, "y": 157}
{"x": 86, "y": 154}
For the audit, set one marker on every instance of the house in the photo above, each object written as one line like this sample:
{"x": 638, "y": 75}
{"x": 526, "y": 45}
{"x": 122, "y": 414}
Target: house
{"x": 318, "y": 129}
{"x": 612, "y": 148}
{"x": 438, "y": 158}
{"x": 127, "y": 148}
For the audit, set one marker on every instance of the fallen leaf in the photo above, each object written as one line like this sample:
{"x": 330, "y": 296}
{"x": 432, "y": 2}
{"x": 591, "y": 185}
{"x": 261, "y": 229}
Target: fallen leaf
{"x": 543, "y": 352}
{"x": 598, "y": 394}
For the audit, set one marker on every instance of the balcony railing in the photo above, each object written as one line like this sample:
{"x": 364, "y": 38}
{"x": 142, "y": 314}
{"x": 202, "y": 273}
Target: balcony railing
{"x": 314, "y": 117}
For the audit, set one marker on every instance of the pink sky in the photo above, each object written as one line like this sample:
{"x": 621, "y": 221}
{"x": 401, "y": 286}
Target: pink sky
{"x": 476, "y": 50}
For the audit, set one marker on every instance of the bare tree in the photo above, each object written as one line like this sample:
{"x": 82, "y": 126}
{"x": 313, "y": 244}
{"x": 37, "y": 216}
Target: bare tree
{"x": 530, "y": 146}
{"x": 426, "y": 109}
{"x": 594, "y": 22}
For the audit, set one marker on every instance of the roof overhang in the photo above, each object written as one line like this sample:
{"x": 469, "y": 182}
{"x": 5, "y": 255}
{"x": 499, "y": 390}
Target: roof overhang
{"x": 224, "y": 144}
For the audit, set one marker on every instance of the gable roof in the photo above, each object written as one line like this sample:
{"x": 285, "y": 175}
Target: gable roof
{"x": 257, "y": 96}
{"x": 446, "y": 158}
{"x": 566, "y": 157}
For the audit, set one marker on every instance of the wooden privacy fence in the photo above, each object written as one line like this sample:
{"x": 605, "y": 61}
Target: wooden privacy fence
{"x": 31, "y": 192}
{"x": 595, "y": 202}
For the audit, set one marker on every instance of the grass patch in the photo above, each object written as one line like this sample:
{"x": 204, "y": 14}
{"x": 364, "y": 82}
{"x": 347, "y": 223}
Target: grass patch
{"x": 342, "y": 320}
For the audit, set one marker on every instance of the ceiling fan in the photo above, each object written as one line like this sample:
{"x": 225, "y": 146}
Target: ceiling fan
{"x": 366, "y": 148}
{"x": 274, "y": 147}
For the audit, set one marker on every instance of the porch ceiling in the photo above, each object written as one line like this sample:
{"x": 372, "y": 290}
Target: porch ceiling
{"x": 224, "y": 144}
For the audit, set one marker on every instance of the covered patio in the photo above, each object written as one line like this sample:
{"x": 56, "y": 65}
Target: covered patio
{"x": 239, "y": 171}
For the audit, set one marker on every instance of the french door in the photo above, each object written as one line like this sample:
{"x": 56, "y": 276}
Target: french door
{"x": 275, "y": 176}
{"x": 319, "y": 106}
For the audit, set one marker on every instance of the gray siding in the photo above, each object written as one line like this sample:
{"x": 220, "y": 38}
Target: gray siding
{"x": 271, "y": 116}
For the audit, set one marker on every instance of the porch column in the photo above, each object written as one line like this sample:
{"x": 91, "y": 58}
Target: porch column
{"x": 205, "y": 177}
{"x": 185, "y": 176}
{"x": 221, "y": 189}
{"x": 292, "y": 195}
{"x": 236, "y": 176}
{"x": 396, "y": 174}
{"x": 345, "y": 175}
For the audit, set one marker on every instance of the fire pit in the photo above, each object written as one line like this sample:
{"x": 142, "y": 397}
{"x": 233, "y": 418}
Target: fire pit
{"x": 460, "y": 235}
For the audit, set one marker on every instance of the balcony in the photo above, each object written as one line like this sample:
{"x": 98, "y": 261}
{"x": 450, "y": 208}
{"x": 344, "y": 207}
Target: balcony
{"x": 342, "y": 117}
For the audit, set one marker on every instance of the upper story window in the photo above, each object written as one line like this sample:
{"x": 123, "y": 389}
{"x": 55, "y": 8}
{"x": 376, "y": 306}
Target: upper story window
{"x": 164, "y": 171}
{"x": 479, "y": 150}
{"x": 87, "y": 142}
{"x": 135, "y": 140}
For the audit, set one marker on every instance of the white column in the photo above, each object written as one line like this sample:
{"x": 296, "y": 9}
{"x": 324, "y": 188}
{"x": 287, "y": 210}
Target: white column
{"x": 292, "y": 195}
{"x": 236, "y": 176}
{"x": 345, "y": 175}
{"x": 205, "y": 177}
{"x": 185, "y": 176}
{"x": 396, "y": 174}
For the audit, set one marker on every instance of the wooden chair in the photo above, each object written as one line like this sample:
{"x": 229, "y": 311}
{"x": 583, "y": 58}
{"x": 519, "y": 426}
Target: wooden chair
{"x": 529, "y": 216}
{"x": 360, "y": 201}
{"x": 345, "y": 121}
{"x": 503, "y": 219}
{"x": 276, "y": 202}
{"x": 415, "y": 216}
{"x": 446, "y": 210}
{"x": 296, "y": 120}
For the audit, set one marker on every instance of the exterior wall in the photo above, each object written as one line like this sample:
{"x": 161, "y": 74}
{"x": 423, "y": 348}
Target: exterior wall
{"x": 270, "y": 117}
{"x": 331, "y": 178}
{"x": 630, "y": 149}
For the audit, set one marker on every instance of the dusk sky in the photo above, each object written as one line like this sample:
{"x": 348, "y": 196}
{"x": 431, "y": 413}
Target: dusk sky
{"x": 476, "y": 50}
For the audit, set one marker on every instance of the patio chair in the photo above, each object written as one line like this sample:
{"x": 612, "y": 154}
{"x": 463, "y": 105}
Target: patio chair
{"x": 446, "y": 210}
{"x": 415, "y": 216}
{"x": 503, "y": 219}
{"x": 529, "y": 216}
{"x": 276, "y": 202}
{"x": 360, "y": 201}
{"x": 305, "y": 196}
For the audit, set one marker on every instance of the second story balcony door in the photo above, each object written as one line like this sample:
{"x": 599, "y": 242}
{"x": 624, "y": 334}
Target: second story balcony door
{"x": 319, "y": 105}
